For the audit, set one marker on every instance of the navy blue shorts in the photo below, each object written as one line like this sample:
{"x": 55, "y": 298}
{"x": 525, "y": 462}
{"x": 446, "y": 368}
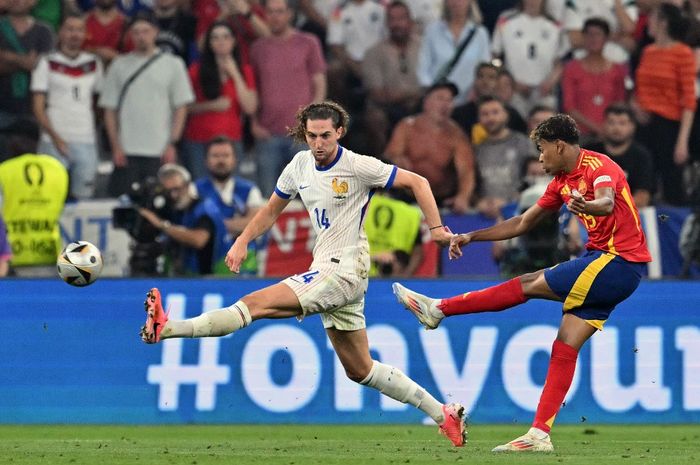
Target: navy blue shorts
{"x": 592, "y": 285}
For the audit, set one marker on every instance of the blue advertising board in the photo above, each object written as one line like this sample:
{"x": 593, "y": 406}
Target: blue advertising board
{"x": 73, "y": 355}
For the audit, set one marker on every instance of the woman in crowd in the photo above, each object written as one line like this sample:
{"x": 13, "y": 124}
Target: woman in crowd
{"x": 225, "y": 92}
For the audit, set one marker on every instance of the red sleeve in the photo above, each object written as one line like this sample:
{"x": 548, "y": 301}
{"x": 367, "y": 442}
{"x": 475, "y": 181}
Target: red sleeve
{"x": 193, "y": 72}
{"x": 249, "y": 75}
{"x": 551, "y": 200}
{"x": 686, "y": 77}
{"x": 568, "y": 87}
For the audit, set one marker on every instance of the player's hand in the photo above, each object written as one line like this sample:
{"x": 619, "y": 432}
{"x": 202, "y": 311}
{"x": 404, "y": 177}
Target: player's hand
{"x": 236, "y": 254}
{"x": 169, "y": 155}
{"x": 456, "y": 243}
{"x": 576, "y": 204}
{"x": 441, "y": 236}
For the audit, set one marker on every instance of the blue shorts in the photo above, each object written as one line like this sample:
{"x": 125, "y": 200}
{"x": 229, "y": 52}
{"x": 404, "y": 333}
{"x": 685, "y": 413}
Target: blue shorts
{"x": 593, "y": 284}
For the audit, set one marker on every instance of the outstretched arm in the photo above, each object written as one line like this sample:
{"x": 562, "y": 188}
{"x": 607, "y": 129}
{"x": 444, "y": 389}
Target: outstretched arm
{"x": 508, "y": 229}
{"x": 261, "y": 222}
{"x": 426, "y": 201}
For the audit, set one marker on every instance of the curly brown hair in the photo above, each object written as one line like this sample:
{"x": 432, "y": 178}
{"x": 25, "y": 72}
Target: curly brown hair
{"x": 558, "y": 127}
{"x": 316, "y": 111}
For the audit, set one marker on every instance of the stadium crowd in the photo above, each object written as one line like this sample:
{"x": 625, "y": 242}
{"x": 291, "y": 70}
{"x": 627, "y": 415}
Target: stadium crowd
{"x": 198, "y": 96}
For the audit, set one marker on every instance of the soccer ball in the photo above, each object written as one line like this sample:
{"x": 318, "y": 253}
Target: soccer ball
{"x": 80, "y": 263}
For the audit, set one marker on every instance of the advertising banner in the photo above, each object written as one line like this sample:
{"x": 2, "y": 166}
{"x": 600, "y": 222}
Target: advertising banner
{"x": 73, "y": 355}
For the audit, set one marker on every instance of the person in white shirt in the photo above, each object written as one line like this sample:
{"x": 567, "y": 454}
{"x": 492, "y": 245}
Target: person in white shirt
{"x": 63, "y": 86}
{"x": 622, "y": 17}
{"x": 532, "y": 46}
{"x": 352, "y": 30}
{"x": 335, "y": 185}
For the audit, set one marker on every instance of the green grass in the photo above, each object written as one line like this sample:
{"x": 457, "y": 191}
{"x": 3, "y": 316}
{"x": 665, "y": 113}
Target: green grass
{"x": 326, "y": 444}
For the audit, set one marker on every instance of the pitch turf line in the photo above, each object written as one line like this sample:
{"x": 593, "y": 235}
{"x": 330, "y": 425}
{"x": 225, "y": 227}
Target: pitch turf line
{"x": 332, "y": 444}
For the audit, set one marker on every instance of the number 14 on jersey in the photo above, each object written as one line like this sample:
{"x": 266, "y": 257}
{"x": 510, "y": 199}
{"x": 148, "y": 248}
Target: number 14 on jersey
{"x": 321, "y": 219}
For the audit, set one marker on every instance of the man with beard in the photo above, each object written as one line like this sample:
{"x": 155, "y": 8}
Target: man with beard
{"x": 634, "y": 159}
{"x": 433, "y": 145}
{"x": 195, "y": 227}
{"x": 237, "y": 198}
{"x": 499, "y": 158}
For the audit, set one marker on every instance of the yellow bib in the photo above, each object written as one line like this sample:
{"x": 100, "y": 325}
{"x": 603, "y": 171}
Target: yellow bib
{"x": 34, "y": 191}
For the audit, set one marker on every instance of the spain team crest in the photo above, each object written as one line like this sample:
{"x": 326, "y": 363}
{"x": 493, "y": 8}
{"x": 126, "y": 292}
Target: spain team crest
{"x": 582, "y": 187}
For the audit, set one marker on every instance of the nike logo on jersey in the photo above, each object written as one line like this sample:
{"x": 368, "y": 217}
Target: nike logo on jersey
{"x": 304, "y": 187}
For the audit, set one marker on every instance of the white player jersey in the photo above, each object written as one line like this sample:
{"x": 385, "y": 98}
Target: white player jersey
{"x": 70, "y": 85}
{"x": 336, "y": 197}
{"x": 530, "y": 45}
{"x": 356, "y": 27}
{"x": 578, "y": 11}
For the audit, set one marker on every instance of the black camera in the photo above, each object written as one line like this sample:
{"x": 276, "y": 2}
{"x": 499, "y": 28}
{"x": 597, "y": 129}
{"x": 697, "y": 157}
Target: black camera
{"x": 146, "y": 248}
{"x": 150, "y": 195}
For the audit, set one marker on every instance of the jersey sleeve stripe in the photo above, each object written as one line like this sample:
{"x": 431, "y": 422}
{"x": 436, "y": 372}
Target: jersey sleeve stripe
{"x": 392, "y": 177}
{"x": 282, "y": 194}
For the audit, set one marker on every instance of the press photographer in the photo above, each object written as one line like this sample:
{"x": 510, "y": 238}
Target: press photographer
{"x": 194, "y": 230}
{"x": 147, "y": 246}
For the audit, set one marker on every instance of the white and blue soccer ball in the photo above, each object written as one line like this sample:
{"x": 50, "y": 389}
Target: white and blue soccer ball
{"x": 80, "y": 263}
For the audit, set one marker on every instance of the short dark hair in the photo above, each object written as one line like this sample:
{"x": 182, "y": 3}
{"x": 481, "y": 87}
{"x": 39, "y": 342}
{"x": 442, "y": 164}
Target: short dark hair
{"x": 597, "y": 22}
{"x": 144, "y": 15}
{"x": 483, "y": 100}
{"x": 620, "y": 109}
{"x": 398, "y": 4}
{"x": 558, "y": 127}
{"x": 319, "y": 111}
{"x": 485, "y": 64}
{"x": 221, "y": 139}
{"x": 71, "y": 13}
{"x": 538, "y": 108}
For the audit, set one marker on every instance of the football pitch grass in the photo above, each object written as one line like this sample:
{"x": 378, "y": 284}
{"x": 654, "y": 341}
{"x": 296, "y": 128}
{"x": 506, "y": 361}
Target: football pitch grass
{"x": 335, "y": 444}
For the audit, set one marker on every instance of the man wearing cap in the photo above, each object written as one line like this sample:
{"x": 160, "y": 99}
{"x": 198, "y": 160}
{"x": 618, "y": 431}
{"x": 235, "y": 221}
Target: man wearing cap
{"x": 145, "y": 98}
{"x": 433, "y": 145}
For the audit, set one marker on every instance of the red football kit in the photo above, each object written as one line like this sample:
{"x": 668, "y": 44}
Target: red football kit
{"x": 619, "y": 233}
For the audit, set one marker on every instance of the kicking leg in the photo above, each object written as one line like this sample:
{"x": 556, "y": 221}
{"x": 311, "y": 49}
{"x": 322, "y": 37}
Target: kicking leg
{"x": 352, "y": 349}
{"x": 276, "y": 301}
{"x": 573, "y": 333}
{"x": 518, "y": 290}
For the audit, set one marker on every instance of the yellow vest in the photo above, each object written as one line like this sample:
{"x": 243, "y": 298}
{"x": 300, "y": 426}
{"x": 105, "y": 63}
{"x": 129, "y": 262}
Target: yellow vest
{"x": 34, "y": 191}
{"x": 391, "y": 225}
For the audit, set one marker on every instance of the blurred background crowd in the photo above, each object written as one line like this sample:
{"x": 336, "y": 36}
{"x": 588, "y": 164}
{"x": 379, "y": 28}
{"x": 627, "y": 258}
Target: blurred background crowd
{"x": 180, "y": 109}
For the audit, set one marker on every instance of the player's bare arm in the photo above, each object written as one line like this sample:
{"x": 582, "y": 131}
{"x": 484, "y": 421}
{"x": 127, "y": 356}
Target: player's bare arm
{"x": 261, "y": 222}
{"x": 508, "y": 229}
{"x": 420, "y": 188}
{"x": 601, "y": 205}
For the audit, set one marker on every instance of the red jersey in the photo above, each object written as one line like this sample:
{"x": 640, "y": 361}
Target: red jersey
{"x": 619, "y": 233}
{"x": 112, "y": 35}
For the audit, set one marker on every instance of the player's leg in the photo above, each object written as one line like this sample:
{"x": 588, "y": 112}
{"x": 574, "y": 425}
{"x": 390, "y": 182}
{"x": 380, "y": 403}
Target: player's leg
{"x": 352, "y": 349}
{"x": 276, "y": 301}
{"x": 431, "y": 311}
{"x": 573, "y": 333}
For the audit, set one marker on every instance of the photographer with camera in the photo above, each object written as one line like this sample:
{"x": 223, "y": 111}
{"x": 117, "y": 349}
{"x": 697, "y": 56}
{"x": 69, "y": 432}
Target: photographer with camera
{"x": 195, "y": 225}
{"x": 238, "y": 199}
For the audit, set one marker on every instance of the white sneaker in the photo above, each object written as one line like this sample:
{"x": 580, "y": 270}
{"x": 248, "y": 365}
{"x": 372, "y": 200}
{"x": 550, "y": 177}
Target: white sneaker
{"x": 535, "y": 440}
{"x": 423, "y": 307}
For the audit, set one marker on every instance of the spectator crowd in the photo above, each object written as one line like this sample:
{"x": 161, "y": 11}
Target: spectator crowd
{"x": 199, "y": 96}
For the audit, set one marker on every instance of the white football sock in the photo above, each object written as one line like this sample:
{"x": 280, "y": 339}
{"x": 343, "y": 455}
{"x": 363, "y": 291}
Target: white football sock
{"x": 392, "y": 382}
{"x": 210, "y": 324}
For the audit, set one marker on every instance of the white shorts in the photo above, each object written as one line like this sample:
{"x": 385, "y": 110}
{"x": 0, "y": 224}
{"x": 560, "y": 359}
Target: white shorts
{"x": 338, "y": 295}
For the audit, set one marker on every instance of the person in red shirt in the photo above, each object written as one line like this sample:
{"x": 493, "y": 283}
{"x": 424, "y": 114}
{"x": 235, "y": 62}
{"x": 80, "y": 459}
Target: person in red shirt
{"x": 225, "y": 92}
{"x": 106, "y": 31}
{"x": 594, "y": 188}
